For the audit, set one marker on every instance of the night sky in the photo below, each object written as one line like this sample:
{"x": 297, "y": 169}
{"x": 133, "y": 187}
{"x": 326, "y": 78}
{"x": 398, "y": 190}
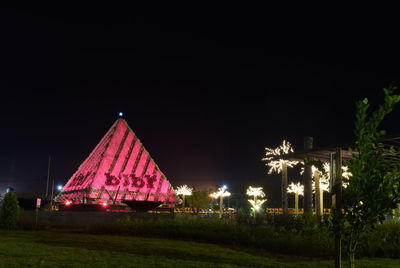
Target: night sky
{"x": 206, "y": 88}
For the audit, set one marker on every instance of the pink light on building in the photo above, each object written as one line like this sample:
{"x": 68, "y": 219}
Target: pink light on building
{"x": 120, "y": 167}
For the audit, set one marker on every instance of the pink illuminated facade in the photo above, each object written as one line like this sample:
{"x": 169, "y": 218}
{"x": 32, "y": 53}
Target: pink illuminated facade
{"x": 119, "y": 168}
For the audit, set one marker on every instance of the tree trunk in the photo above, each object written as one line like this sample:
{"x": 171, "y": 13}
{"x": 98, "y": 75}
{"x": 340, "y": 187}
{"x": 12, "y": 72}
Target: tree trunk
{"x": 337, "y": 197}
{"x": 220, "y": 206}
{"x": 284, "y": 188}
{"x": 318, "y": 209}
{"x": 254, "y": 209}
{"x": 308, "y": 145}
{"x": 352, "y": 253}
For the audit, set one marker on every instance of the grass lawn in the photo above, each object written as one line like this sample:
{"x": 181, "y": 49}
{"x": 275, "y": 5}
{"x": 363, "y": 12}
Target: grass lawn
{"x": 58, "y": 248}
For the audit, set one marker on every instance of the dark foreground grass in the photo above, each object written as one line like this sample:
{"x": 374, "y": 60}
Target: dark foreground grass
{"x": 58, "y": 248}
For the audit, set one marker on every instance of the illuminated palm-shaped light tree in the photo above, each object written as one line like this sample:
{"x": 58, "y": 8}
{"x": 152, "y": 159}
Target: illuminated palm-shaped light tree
{"x": 320, "y": 184}
{"x": 183, "y": 190}
{"x": 256, "y": 203}
{"x": 297, "y": 189}
{"x": 221, "y": 193}
{"x": 321, "y": 179}
{"x": 280, "y": 165}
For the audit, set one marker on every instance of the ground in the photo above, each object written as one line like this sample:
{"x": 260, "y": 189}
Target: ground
{"x": 63, "y": 248}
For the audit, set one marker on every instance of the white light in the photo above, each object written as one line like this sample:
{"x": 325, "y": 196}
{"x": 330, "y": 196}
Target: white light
{"x": 184, "y": 190}
{"x": 256, "y": 192}
{"x": 224, "y": 187}
{"x": 121, "y": 114}
{"x": 59, "y": 187}
{"x": 256, "y": 205}
{"x": 296, "y": 188}
{"x": 324, "y": 177}
{"x": 221, "y": 192}
{"x": 276, "y": 165}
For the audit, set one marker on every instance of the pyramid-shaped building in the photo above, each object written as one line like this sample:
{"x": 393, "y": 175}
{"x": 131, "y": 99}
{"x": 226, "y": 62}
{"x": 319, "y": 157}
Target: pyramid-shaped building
{"x": 119, "y": 168}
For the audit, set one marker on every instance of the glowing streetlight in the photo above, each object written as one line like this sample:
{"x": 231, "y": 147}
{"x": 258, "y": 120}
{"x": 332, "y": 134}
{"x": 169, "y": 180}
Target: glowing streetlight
{"x": 221, "y": 193}
{"x": 297, "y": 189}
{"x": 59, "y": 187}
{"x": 280, "y": 165}
{"x": 183, "y": 190}
{"x": 256, "y": 203}
{"x": 120, "y": 114}
{"x": 9, "y": 190}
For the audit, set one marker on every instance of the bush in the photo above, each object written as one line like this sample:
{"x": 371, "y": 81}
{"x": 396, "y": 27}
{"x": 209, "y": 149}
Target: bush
{"x": 9, "y": 213}
{"x": 225, "y": 232}
{"x": 383, "y": 241}
{"x": 276, "y": 233}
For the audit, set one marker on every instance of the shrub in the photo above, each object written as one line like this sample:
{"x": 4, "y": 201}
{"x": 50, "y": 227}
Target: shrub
{"x": 383, "y": 241}
{"x": 225, "y": 232}
{"x": 278, "y": 234}
{"x": 9, "y": 213}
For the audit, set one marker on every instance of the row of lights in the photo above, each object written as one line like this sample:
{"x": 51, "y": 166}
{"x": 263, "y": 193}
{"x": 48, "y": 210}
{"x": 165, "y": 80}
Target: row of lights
{"x": 256, "y": 192}
{"x": 69, "y": 202}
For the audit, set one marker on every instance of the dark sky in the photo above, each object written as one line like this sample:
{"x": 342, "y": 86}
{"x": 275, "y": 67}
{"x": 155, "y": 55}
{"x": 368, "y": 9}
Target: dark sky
{"x": 205, "y": 88}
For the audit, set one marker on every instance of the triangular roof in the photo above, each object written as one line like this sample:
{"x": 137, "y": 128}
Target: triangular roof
{"x": 118, "y": 165}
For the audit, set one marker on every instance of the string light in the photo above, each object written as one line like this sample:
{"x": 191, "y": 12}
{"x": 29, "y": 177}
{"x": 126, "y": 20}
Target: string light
{"x": 296, "y": 188}
{"x": 324, "y": 177}
{"x": 184, "y": 190}
{"x": 256, "y": 192}
{"x": 220, "y": 193}
{"x": 277, "y": 165}
{"x": 345, "y": 174}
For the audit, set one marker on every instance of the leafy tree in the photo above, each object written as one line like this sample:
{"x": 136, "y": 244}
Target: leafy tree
{"x": 374, "y": 188}
{"x": 9, "y": 213}
{"x": 199, "y": 199}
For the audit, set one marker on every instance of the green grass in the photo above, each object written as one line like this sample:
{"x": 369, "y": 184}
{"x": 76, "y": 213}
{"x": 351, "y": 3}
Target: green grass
{"x": 58, "y": 248}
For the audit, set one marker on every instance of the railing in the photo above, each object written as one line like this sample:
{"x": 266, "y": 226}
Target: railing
{"x": 189, "y": 210}
{"x": 326, "y": 211}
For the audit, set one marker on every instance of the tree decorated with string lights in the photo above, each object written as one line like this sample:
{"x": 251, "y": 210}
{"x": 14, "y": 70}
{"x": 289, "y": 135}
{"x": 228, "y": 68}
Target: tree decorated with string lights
{"x": 220, "y": 193}
{"x": 183, "y": 190}
{"x": 256, "y": 203}
{"x": 321, "y": 173}
{"x": 297, "y": 189}
{"x": 280, "y": 165}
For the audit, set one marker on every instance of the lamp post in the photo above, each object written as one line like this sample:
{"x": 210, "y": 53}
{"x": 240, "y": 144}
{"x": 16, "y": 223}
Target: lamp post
{"x": 256, "y": 203}
{"x": 221, "y": 193}
{"x": 183, "y": 190}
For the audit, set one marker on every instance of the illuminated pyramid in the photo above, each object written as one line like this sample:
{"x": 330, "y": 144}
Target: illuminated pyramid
{"x": 119, "y": 168}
